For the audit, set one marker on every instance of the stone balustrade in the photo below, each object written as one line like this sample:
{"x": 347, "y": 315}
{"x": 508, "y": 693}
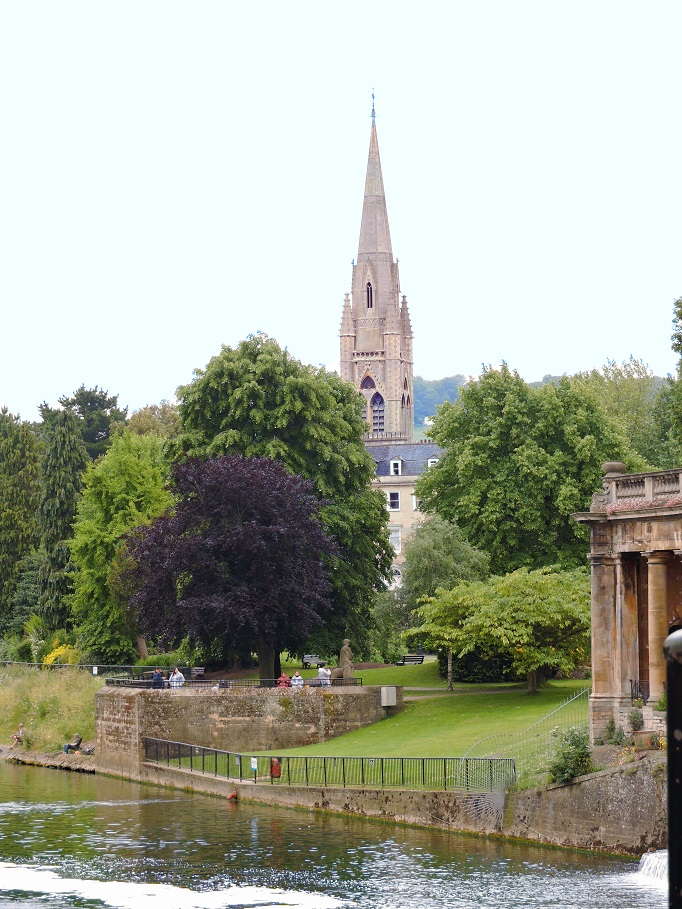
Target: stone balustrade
{"x": 636, "y": 491}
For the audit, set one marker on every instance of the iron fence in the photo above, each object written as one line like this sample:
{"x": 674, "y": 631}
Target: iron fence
{"x": 639, "y": 690}
{"x": 449, "y": 773}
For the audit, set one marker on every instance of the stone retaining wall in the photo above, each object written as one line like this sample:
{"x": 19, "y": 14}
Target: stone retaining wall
{"x": 232, "y": 719}
{"x": 620, "y": 810}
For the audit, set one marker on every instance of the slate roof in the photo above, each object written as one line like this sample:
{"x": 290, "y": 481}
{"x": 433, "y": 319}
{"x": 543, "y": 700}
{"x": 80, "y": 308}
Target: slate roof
{"x": 414, "y": 456}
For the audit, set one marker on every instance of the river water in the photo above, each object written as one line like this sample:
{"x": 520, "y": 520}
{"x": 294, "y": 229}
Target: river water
{"x": 79, "y": 840}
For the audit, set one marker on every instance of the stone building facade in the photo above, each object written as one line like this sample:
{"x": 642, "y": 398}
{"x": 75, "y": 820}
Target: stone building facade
{"x": 636, "y": 566}
{"x": 376, "y": 356}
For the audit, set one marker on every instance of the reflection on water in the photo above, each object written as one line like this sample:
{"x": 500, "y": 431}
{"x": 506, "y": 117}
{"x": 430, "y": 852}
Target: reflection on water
{"x": 70, "y": 839}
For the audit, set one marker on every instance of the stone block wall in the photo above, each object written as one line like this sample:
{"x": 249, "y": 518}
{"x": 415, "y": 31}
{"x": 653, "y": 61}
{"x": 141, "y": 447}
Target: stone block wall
{"x": 232, "y": 719}
{"x": 622, "y": 809}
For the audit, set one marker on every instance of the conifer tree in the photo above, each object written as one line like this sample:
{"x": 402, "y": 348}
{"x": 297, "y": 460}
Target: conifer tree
{"x": 64, "y": 462}
{"x": 19, "y": 484}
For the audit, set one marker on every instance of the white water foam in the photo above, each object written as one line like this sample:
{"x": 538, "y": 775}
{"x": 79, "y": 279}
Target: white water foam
{"x": 125, "y": 895}
{"x": 653, "y": 867}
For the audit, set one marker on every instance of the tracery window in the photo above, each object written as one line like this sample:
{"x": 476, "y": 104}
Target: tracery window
{"x": 368, "y": 382}
{"x": 370, "y": 301}
{"x": 377, "y": 404}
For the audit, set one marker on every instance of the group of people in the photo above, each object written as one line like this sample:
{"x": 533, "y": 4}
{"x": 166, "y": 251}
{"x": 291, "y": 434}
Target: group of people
{"x": 176, "y": 679}
{"x": 296, "y": 680}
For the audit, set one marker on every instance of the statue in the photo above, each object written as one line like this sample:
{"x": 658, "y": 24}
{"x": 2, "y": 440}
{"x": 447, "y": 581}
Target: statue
{"x": 346, "y": 660}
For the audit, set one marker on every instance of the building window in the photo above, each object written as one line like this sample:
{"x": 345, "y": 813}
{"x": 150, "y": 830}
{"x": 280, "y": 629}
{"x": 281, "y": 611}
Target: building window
{"x": 397, "y": 579}
{"x": 377, "y": 413}
{"x": 432, "y": 462}
{"x": 416, "y": 503}
{"x": 370, "y": 301}
{"x": 394, "y": 536}
{"x": 368, "y": 382}
{"x": 393, "y": 501}
{"x": 396, "y": 467}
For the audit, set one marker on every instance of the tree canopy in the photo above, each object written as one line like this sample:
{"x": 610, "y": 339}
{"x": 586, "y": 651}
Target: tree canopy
{"x": 437, "y": 555}
{"x": 19, "y": 496}
{"x": 536, "y": 618}
{"x": 241, "y": 559}
{"x": 258, "y": 401}
{"x": 96, "y": 412}
{"x": 125, "y": 488}
{"x": 518, "y": 461}
{"x": 64, "y": 462}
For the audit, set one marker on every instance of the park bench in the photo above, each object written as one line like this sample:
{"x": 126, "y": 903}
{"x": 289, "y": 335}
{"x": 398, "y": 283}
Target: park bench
{"x": 197, "y": 672}
{"x": 312, "y": 660}
{"x": 416, "y": 658}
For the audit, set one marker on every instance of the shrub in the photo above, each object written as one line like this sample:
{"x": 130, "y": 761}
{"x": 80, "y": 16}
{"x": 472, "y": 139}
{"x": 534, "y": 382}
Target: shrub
{"x": 573, "y": 756}
{"x": 614, "y": 735}
{"x": 63, "y": 655}
{"x": 636, "y": 719}
{"x": 662, "y": 703}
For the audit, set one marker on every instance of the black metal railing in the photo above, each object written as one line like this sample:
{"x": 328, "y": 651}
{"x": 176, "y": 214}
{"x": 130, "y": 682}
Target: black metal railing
{"x": 639, "y": 690}
{"x": 449, "y": 773}
{"x": 218, "y": 684}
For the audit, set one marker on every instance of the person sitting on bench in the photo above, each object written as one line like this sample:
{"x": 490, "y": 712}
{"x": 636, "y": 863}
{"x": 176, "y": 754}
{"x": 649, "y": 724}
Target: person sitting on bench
{"x": 73, "y": 746}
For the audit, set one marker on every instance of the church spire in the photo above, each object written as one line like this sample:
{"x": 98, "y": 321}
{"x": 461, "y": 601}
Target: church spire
{"x": 375, "y": 236}
{"x": 376, "y": 336}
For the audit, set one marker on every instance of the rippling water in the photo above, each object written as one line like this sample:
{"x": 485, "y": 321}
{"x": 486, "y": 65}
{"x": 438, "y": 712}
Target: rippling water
{"x": 76, "y": 840}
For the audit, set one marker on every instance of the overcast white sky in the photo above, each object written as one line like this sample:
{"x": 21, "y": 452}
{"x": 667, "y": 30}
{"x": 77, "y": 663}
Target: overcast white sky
{"x": 175, "y": 176}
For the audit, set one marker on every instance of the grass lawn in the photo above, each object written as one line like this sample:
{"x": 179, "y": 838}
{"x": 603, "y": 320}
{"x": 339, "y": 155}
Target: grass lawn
{"x": 448, "y": 725}
{"x": 410, "y": 676}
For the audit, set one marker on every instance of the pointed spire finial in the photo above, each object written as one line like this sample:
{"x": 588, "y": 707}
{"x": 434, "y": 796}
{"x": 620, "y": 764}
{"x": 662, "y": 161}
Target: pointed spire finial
{"x": 373, "y": 114}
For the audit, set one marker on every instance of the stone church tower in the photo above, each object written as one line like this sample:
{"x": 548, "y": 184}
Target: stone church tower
{"x": 376, "y": 334}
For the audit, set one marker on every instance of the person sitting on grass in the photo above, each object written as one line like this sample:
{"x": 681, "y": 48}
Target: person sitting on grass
{"x": 73, "y": 746}
{"x": 18, "y": 736}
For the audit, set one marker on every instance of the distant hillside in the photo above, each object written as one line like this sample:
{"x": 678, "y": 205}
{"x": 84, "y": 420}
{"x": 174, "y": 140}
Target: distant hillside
{"x": 428, "y": 394}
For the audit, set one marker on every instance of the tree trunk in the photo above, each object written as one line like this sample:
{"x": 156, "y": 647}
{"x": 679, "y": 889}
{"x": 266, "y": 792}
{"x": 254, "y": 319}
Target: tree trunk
{"x": 533, "y": 682}
{"x": 266, "y": 659}
{"x": 278, "y": 665}
{"x": 141, "y": 645}
{"x": 449, "y": 670}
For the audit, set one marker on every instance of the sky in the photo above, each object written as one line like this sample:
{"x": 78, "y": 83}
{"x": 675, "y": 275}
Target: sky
{"x": 175, "y": 176}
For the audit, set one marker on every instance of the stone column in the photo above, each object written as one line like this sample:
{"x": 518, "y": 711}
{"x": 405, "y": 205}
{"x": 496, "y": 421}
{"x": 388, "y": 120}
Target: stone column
{"x": 657, "y": 609}
{"x": 605, "y": 687}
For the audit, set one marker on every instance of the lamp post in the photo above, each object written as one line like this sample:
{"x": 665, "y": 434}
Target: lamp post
{"x": 672, "y": 648}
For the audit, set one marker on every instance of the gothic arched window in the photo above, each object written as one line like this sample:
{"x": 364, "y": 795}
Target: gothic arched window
{"x": 368, "y": 382}
{"x": 377, "y": 404}
{"x": 370, "y": 301}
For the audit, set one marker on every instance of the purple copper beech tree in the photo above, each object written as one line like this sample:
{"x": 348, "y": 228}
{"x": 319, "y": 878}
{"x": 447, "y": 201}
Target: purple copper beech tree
{"x": 241, "y": 558}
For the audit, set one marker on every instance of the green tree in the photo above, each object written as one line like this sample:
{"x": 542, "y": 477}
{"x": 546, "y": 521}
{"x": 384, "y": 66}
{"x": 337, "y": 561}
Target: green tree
{"x": 156, "y": 419}
{"x": 668, "y": 407}
{"x": 518, "y": 461}
{"x": 258, "y": 401}
{"x": 437, "y": 555}
{"x": 628, "y": 392}
{"x": 125, "y": 488}
{"x": 537, "y": 618}
{"x": 64, "y": 462}
{"x": 27, "y": 594}
{"x": 97, "y": 413}
{"x": 19, "y": 491}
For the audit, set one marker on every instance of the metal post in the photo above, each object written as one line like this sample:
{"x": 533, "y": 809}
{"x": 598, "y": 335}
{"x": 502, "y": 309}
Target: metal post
{"x": 672, "y": 648}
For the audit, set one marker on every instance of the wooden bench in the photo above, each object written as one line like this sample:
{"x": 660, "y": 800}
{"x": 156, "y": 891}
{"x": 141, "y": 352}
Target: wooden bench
{"x": 416, "y": 658}
{"x": 312, "y": 660}
{"x": 197, "y": 672}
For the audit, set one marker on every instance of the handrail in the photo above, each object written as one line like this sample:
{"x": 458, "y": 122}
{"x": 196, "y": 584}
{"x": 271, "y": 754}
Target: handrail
{"x": 438, "y": 773}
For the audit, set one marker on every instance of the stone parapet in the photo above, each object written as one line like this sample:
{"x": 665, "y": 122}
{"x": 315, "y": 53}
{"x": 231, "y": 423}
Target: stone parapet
{"x": 233, "y": 719}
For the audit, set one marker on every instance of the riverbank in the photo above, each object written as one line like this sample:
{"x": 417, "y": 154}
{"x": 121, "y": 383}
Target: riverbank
{"x": 80, "y": 763}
